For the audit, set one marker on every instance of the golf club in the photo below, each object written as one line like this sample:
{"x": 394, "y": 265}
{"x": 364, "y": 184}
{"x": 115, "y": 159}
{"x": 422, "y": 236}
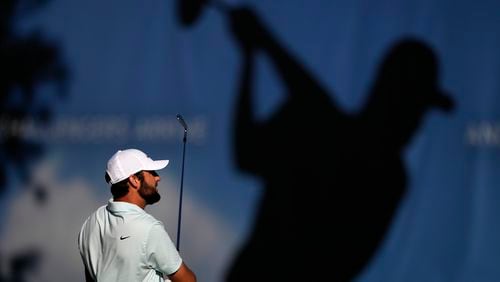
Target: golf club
{"x": 184, "y": 125}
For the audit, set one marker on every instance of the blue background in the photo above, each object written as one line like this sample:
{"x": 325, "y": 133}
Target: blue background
{"x": 132, "y": 68}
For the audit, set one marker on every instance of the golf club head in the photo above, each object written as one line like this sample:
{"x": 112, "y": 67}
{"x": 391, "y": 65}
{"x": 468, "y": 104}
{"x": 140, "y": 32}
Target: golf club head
{"x": 188, "y": 11}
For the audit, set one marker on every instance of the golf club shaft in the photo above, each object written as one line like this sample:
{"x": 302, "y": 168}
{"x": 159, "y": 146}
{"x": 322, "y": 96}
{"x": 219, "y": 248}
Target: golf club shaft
{"x": 184, "y": 125}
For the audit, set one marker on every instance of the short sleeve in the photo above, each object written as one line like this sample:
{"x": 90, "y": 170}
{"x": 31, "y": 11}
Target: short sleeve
{"x": 161, "y": 253}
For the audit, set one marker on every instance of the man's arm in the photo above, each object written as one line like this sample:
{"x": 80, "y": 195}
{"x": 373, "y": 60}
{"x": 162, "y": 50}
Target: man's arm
{"x": 298, "y": 80}
{"x": 184, "y": 274}
{"x": 164, "y": 257}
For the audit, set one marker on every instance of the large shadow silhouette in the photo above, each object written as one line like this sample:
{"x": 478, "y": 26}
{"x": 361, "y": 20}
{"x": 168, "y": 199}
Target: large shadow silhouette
{"x": 333, "y": 180}
{"x": 26, "y": 62}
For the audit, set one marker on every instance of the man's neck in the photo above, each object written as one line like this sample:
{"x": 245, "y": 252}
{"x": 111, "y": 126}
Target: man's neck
{"x": 131, "y": 199}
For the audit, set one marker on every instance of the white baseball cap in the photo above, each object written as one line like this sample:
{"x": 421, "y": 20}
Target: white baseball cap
{"x": 124, "y": 163}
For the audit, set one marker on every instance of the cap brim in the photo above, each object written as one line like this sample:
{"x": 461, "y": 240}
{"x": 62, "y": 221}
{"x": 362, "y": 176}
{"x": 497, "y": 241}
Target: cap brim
{"x": 443, "y": 101}
{"x": 157, "y": 165}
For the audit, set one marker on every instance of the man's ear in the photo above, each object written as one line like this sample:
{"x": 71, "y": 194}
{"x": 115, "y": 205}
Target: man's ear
{"x": 134, "y": 181}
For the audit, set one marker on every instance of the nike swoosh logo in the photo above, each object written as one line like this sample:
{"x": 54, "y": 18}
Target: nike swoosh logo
{"x": 123, "y": 237}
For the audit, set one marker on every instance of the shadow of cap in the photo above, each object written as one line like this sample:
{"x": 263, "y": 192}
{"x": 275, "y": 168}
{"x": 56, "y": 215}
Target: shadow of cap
{"x": 442, "y": 101}
{"x": 411, "y": 67}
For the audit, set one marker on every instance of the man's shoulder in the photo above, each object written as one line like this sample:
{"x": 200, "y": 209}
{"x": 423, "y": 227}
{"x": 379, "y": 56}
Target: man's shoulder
{"x": 96, "y": 213}
{"x": 94, "y": 217}
{"x": 100, "y": 212}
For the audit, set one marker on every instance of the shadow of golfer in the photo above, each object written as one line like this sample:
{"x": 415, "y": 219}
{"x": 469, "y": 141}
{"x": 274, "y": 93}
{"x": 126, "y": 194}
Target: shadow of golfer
{"x": 333, "y": 180}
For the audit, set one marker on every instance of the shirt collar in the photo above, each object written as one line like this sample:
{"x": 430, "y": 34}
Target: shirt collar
{"x": 123, "y": 207}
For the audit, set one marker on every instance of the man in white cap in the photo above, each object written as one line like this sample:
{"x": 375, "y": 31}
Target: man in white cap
{"x": 120, "y": 241}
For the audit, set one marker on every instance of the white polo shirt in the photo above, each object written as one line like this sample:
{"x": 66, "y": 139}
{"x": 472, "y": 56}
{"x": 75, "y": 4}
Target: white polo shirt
{"x": 121, "y": 242}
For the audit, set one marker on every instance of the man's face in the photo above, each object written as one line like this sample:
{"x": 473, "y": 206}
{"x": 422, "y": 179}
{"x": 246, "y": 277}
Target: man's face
{"x": 148, "y": 189}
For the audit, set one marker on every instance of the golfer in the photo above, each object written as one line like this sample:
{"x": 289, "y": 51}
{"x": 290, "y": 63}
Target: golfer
{"x": 120, "y": 241}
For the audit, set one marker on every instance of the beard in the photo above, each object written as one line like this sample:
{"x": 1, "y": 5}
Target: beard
{"x": 149, "y": 193}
